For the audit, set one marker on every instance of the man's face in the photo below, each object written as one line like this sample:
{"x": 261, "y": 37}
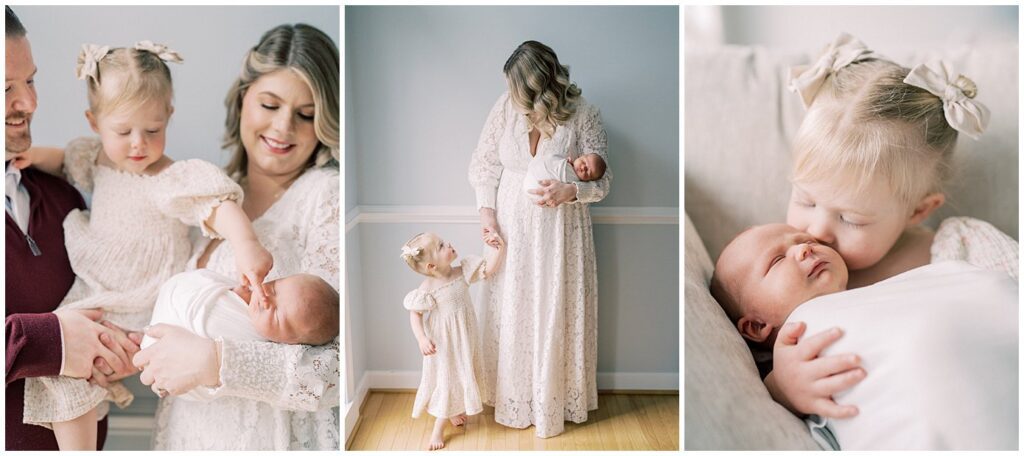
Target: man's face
{"x": 20, "y": 95}
{"x": 772, "y": 269}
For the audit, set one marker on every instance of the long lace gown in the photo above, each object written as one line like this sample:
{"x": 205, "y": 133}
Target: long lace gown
{"x": 272, "y": 396}
{"x": 540, "y": 331}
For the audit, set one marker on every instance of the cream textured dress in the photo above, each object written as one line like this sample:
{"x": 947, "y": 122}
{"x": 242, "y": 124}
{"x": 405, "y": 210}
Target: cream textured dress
{"x": 540, "y": 336}
{"x": 272, "y": 396}
{"x": 978, "y": 243}
{"x": 133, "y": 239}
{"x": 449, "y": 384}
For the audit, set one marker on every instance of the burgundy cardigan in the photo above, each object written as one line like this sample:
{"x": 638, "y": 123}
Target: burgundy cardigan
{"x": 38, "y": 277}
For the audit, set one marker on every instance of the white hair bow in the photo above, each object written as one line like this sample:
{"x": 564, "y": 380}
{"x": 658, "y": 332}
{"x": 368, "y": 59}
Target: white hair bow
{"x": 165, "y": 53}
{"x": 808, "y": 79}
{"x": 957, "y": 93}
{"x": 410, "y": 251}
{"x": 89, "y": 61}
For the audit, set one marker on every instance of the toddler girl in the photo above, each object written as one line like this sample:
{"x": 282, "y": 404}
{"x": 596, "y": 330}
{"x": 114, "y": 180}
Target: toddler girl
{"x": 136, "y": 235}
{"x": 451, "y": 364}
{"x": 870, "y": 160}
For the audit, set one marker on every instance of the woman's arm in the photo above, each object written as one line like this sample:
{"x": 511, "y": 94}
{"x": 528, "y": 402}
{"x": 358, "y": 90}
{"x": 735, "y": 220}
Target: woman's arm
{"x": 485, "y": 166}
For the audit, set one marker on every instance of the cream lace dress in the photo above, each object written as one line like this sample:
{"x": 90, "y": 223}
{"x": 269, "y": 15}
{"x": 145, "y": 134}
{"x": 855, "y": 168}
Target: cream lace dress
{"x": 133, "y": 239}
{"x": 976, "y": 242}
{"x": 272, "y": 396}
{"x": 540, "y": 336}
{"x": 449, "y": 383}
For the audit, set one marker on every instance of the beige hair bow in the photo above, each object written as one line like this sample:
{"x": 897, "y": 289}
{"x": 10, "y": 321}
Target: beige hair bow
{"x": 808, "y": 79}
{"x": 89, "y": 61}
{"x": 957, "y": 93}
{"x": 165, "y": 53}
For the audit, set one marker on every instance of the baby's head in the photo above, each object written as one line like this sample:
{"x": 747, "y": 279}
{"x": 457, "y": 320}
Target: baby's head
{"x": 769, "y": 270}
{"x": 870, "y": 159}
{"x": 589, "y": 167}
{"x": 130, "y": 94}
{"x": 303, "y": 310}
{"x": 427, "y": 253}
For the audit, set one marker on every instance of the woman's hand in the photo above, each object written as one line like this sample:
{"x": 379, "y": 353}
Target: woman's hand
{"x": 85, "y": 340}
{"x": 427, "y": 347}
{"x": 178, "y": 361}
{"x": 553, "y": 193}
{"x": 254, "y": 262}
{"x": 489, "y": 226}
{"x": 805, "y": 383}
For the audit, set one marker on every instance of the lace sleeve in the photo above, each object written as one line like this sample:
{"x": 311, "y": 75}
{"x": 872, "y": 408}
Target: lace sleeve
{"x": 485, "y": 166}
{"x": 291, "y": 377}
{"x": 80, "y": 161}
{"x": 593, "y": 140}
{"x": 192, "y": 189}
{"x": 322, "y": 252}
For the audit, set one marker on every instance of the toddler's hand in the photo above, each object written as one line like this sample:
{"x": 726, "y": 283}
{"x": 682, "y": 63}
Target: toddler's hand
{"x": 805, "y": 383}
{"x": 254, "y": 263}
{"x": 494, "y": 240}
{"x": 427, "y": 347}
{"x": 22, "y": 160}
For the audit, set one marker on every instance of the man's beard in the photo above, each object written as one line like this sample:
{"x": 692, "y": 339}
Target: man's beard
{"x": 17, "y": 143}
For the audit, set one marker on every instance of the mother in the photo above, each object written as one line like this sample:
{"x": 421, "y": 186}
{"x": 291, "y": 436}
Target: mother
{"x": 540, "y": 354}
{"x": 282, "y": 124}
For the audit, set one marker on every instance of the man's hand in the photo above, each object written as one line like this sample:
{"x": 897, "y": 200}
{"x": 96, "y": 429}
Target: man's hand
{"x": 85, "y": 340}
{"x": 805, "y": 383}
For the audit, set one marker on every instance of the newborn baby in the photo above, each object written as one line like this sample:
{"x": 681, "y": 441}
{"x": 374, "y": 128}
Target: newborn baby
{"x": 303, "y": 309}
{"x": 939, "y": 343}
{"x": 586, "y": 168}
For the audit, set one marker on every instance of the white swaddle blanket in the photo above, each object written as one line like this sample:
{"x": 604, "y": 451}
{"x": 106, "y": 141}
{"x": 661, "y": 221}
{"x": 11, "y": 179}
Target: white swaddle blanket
{"x": 541, "y": 167}
{"x": 939, "y": 344}
{"x": 202, "y": 302}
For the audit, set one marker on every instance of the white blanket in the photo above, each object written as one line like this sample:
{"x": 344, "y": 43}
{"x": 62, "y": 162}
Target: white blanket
{"x": 939, "y": 344}
{"x": 554, "y": 167}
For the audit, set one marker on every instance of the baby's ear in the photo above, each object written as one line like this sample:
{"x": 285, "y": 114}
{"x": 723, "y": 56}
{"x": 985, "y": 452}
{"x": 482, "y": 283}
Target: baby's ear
{"x": 926, "y": 206}
{"x": 753, "y": 328}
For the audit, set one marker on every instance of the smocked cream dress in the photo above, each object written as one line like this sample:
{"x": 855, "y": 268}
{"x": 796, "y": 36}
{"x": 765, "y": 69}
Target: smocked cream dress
{"x": 540, "y": 335}
{"x": 133, "y": 239}
{"x": 976, "y": 242}
{"x": 450, "y": 383}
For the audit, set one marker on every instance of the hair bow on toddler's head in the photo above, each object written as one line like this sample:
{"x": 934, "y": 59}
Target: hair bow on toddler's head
{"x": 89, "y": 61}
{"x": 165, "y": 53}
{"x": 957, "y": 93}
{"x": 410, "y": 251}
{"x": 807, "y": 80}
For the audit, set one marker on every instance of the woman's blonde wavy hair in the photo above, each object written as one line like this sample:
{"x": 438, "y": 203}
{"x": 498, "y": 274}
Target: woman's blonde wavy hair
{"x": 539, "y": 85}
{"x": 312, "y": 55}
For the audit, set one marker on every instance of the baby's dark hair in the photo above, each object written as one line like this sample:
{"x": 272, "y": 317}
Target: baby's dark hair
{"x": 599, "y": 166}
{"x": 325, "y": 302}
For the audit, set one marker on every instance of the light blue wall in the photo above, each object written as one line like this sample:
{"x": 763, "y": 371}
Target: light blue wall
{"x": 212, "y": 40}
{"x": 419, "y": 84}
{"x": 424, "y": 78}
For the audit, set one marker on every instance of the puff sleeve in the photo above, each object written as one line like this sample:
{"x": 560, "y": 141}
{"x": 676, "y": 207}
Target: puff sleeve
{"x": 192, "y": 189}
{"x": 419, "y": 301}
{"x": 593, "y": 140}
{"x": 80, "y": 161}
{"x": 485, "y": 166}
{"x": 474, "y": 268}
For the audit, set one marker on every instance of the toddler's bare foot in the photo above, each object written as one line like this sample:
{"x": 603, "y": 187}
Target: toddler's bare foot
{"x": 437, "y": 437}
{"x": 458, "y": 420}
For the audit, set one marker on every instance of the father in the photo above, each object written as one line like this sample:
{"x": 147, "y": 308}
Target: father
{"x": 41, "y": 342}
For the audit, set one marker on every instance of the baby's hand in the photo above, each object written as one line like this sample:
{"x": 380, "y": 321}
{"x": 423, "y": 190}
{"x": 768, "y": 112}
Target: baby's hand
{"x": 427, "y": 347}
{"x": 254, "y": 263}
{"x": 805, "y": 383}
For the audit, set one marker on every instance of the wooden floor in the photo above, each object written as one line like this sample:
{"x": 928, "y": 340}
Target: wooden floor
{"x": 621, "y": 422}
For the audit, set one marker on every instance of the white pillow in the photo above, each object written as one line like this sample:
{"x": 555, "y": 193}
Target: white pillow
{"x": 727, "y": 406}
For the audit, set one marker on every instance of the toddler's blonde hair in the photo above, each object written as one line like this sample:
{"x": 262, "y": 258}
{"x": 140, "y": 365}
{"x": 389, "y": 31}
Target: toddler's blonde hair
{"x": 867, "y": 122}
{"x": 540, "y": 85}
{"x": 127, "y": 78}
{"x": 417, "y": 261}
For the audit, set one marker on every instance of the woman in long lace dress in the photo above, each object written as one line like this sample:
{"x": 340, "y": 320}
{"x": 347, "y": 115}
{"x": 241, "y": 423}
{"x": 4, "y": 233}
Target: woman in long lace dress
{"x": 540, "y": 332}
{"x": 283, "y": 127}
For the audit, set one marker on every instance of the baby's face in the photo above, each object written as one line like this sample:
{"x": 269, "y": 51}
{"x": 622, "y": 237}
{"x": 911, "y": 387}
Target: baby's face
{"x": 287, "y": 318}
{"x": 862, "y": 227}
{"x": 772, "y": 269}
{"x": 586, "y": 167}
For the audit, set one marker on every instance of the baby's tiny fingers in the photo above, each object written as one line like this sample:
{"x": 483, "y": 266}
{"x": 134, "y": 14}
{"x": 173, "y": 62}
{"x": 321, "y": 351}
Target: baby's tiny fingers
{"x": 838, "y": 383}
{"x": 829, "y": 409}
